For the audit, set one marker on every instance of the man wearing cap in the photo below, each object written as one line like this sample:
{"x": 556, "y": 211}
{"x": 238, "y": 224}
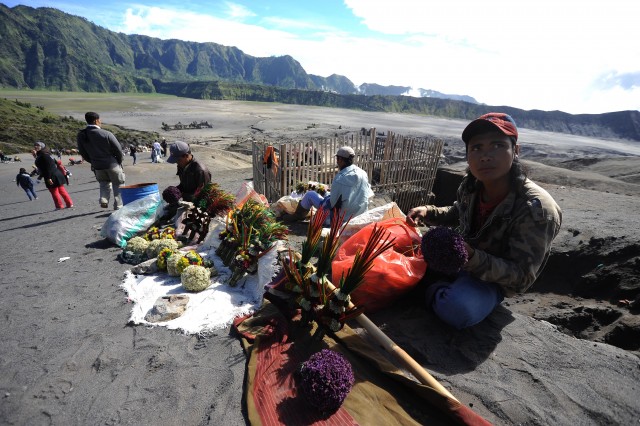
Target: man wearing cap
{"x": 507, "y": 221}
{"x": 101, "y": 148}
{"x": 350, "y": 189}
{"x": 193, "y": 174}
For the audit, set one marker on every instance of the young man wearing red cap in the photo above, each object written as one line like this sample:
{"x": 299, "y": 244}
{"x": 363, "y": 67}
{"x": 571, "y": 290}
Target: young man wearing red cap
{"x": 508, "y": 223}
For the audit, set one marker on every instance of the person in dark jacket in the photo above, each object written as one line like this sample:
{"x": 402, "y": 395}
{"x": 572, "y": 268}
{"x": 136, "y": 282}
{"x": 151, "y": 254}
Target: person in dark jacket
{"x": 52, "y": 177}
{"x": 193, "y": 174}
{"x": 507, "y": 221}
{"x": 23, "y": 180}
{"x": 101, "y": 148}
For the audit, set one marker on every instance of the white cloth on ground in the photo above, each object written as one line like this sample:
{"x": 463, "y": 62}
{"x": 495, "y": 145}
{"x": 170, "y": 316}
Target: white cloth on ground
{"x": 211, "y": 309}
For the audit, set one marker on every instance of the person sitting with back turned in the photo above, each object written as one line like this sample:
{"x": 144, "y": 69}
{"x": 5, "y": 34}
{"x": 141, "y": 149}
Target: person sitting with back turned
{"x": 507, "y": 222}
{"x": 193, "y": 174}
{"x": 350, "y": 189}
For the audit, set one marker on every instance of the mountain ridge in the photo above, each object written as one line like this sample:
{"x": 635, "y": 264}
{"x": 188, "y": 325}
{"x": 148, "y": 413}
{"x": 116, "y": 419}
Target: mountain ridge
{"x": 45, "y": 48}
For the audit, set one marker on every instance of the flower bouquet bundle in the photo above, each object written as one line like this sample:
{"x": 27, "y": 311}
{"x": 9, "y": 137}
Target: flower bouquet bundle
{"x": 306, "y": 287}
{"x": 135, "y": 251}
{"x": 172, "y": 194}
{"x": 444, "y": 250}
{"x": 302, "y": 187}
{"x": 177, "y": 261}
{"x": 156, "y": 246}
{"x": 209, "y": 201}
{"x": 213, "y": 200}
{"x": 325, "y": 380}
{"x": 155, "y": 233}
{"x": 309, "y": 286}
{"x": 249, "y": 233}
{"x": 161, "y": 260}
{"x": 195, "y": 278}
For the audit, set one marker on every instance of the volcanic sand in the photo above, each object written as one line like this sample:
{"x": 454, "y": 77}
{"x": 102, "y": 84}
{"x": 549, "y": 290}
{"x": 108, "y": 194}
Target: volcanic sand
{"x": 69, "y": 357}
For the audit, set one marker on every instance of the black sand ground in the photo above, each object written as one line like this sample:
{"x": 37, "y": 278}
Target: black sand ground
{"x": 68, "y": 355}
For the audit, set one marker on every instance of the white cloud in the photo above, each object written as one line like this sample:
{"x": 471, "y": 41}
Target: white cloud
{"x": 543, "y": 55}
{"x": 527, "y": 54}
{"x": 238, "y": 12}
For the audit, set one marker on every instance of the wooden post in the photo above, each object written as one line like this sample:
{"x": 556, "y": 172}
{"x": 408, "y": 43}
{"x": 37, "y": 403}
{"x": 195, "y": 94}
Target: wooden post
{"x": 391, "y": 347}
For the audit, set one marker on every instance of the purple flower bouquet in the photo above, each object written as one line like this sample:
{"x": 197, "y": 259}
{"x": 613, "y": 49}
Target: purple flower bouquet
{"x": 444, "y": 250}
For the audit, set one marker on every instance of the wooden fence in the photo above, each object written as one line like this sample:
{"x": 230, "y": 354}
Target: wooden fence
{"x": 400, "y": 167}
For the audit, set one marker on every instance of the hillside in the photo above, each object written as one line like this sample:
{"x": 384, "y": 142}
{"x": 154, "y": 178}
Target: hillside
{"x": 21, "y": 124}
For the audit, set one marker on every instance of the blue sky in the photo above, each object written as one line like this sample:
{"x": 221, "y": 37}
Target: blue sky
{"x": 573, "y": 56}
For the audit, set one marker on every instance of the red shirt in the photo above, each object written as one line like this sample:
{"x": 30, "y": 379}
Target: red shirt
{"x": 484, "y": 209}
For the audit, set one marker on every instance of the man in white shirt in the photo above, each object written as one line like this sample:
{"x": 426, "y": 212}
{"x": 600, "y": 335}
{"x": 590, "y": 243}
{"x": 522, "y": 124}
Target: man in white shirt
{"x": 350, "y": 190}
{"x": 155, "y": 155}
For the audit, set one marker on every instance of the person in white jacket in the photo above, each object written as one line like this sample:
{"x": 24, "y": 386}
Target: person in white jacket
{"x": 350, "y": 190}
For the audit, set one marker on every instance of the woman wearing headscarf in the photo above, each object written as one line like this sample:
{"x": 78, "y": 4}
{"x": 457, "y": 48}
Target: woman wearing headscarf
{"x": 51, "y": 175}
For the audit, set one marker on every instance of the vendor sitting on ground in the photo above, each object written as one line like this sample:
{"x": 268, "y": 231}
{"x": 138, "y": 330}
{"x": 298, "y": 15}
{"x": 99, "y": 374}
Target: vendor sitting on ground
{"x": 507, "y": 222}
{"x": 193, "y": 174}
{"x": 350, "y": 189}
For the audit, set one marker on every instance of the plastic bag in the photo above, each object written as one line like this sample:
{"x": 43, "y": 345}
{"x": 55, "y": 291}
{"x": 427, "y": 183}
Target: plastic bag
{"x": 285, "y": 205}
{"x": 377, "y": 214}
{"x": 394, "y": 272}
{"x": 247, "y": 192}
{"x": 132, "y": 218}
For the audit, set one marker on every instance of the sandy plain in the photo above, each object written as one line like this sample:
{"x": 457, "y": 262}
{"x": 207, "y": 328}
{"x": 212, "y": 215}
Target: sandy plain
{"x": 69, "y": 357}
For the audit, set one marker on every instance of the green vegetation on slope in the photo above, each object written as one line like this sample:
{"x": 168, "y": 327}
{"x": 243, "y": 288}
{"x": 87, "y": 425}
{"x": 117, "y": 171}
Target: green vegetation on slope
{"x": 21, "y": 124}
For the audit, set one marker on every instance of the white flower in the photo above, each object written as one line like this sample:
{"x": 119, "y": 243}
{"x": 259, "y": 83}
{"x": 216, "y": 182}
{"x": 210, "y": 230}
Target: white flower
{"x": 172, "y": 263}
{"x": 195, "y": 278}
{"x": 156, "y": 246}
{"x": 137, "y": 245}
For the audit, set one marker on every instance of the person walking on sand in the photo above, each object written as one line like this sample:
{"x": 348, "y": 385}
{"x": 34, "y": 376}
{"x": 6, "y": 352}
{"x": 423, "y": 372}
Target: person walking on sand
{"x": 507, "y": 222}
{"x": 23, "y": 180}
{"x": 156, "y": 152}
{"x": 134, "y": 153}
{"x": 52, "y": 177}
{"x": 163, "y": 145}
{"x": 101, "y": 148}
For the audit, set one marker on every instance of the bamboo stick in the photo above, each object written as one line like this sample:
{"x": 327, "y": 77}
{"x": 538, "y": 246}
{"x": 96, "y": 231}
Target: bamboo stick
{"x": 391, "y": 347}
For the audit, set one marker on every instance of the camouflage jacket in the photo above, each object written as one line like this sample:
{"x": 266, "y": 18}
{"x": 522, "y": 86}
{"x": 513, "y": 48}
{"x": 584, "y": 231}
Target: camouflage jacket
{"x": 513, "y": 245}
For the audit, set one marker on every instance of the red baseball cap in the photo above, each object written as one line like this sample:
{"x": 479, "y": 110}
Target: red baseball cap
{"x": 490, "y": 122}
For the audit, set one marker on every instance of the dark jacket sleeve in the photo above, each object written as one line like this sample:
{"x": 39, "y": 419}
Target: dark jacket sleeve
{"x": 116, "y": 148}
{"x": 81, "y": 141}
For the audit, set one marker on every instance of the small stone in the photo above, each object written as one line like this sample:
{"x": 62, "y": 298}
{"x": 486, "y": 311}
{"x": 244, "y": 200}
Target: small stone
{"x": 147, "y": 267}
{"x": 167, "y": 308}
